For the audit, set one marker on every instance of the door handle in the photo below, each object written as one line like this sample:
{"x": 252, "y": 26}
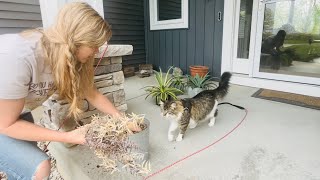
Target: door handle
{"x": 266, "y": 1}
{"x": 273, "y": 1}
{"x": 219, "y": 16}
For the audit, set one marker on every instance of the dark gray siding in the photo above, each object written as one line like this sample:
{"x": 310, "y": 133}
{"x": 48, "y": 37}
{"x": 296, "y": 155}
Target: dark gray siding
{"x": 127, "y": 20}
{"x": 201, "y": 44}
{"x": 18, "y": 15}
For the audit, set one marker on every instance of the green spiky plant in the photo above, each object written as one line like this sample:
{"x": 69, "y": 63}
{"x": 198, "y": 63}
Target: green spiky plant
{"x": 204, "y": 82}
{"x": 163, "y": 90}
{"x": 179, "y": 83}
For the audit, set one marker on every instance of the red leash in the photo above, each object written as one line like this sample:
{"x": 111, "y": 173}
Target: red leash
{"x": 197, "y": 152}
{"x": 45, "y": 149}
{"x": 105, "y": 50}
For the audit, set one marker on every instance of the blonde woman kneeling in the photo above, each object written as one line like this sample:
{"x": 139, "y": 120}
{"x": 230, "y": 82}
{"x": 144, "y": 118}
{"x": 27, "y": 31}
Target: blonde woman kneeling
{"x": 32, "y": 65}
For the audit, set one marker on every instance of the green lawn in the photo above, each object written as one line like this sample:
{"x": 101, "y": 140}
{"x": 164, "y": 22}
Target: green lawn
{"x": 305, "y": 52}
{"x": 293, "y": 41}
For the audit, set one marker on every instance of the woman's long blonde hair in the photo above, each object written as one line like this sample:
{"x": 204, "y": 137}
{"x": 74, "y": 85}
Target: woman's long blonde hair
{"x": 77, "y": 24}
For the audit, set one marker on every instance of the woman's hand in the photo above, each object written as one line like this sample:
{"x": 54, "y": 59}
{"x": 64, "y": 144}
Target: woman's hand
{"x": 77, "y": 136}
{"x": 133, "y": 127}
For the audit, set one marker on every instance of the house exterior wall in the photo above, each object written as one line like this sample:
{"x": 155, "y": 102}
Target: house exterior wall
{"x": 200, "y": 44}
{"x": 126, "y": 18}
{"x": 18, "y": 15}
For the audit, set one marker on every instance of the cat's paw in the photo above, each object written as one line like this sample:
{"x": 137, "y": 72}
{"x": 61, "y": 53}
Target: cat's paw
{"x": 212, "y": 121}
{"x": 179, "y": 138}
{"x": 170, "y": 138}
{"x": 192, "y": 124}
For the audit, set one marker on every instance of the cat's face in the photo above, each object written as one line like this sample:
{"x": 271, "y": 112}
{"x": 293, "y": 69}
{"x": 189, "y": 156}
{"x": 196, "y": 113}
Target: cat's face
{"x": 171, "y": 109}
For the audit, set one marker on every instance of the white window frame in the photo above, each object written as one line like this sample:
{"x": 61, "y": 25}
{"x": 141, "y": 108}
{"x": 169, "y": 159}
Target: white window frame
{"x": 155, "y": 24}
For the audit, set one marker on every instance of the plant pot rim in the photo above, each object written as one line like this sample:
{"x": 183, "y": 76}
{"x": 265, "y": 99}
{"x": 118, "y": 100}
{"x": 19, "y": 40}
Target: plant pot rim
{"x": 198, "y": 67}
{"x": 146, "y": 122}
{"x": 145, "y": 128}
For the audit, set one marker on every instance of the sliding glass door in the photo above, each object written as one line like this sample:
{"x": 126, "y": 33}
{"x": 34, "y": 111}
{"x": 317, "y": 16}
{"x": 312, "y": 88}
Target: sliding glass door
{"x": 287, "y": 45}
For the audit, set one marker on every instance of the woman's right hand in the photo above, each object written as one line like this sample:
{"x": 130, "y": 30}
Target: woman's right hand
{"x": 77, "y": 136}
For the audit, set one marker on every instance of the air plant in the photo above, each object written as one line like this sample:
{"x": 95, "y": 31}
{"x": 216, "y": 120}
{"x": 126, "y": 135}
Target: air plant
{"x": 108, "y": 136}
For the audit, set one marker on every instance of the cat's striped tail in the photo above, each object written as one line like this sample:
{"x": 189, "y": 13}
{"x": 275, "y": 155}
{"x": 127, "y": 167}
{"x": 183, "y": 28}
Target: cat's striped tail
{"x": 222, "y": 89}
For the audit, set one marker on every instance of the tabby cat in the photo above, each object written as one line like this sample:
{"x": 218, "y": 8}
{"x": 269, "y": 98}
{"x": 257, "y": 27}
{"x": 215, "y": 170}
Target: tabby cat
{"x": 190, "y": 111}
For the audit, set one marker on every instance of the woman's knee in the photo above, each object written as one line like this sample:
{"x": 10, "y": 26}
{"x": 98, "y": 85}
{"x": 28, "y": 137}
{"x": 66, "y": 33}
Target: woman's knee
{"x": 43, "y": 170}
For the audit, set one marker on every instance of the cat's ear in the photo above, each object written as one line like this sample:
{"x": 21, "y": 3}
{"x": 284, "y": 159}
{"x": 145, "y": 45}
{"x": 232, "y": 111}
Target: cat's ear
{"x": 173, "y": 105}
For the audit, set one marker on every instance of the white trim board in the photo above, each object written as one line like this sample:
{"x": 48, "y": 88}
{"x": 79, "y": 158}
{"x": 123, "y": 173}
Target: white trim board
{"x": 297, "y": 88}
{"x": 228, "y": 34}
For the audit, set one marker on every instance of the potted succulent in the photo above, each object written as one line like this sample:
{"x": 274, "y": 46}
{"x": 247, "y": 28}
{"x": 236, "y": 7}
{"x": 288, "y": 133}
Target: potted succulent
{"x": 196, "y": 84}
{"x": 179, "y": 80}
{"x": 180, "y": 83}
{"x": 163, "y": 90}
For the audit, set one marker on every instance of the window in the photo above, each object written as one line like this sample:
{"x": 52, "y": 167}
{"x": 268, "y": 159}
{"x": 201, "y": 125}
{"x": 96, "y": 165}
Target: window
{"x": 244, "y": 28}
{"x": 168, "y": 14}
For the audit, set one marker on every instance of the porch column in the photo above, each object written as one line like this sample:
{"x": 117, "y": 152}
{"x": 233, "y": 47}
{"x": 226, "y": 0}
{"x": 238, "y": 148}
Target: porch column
{"x": 50, "y": 9}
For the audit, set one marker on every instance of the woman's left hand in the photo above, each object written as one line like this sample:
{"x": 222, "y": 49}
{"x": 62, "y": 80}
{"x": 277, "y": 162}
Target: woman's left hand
{"x": 133, "y": 127}
{"x": 77, "y": 136}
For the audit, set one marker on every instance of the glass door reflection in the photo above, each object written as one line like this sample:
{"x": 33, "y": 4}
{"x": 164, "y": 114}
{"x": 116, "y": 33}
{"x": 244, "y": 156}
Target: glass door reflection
{"x": 291, "y": 38}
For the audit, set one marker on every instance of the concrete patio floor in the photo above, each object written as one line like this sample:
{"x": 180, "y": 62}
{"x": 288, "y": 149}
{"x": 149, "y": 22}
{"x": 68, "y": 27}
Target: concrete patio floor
{"x": 276, "y": 141}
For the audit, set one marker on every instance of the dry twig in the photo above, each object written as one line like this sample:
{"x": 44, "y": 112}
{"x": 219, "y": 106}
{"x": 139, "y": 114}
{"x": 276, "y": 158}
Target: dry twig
{"x": 109, "y": 137}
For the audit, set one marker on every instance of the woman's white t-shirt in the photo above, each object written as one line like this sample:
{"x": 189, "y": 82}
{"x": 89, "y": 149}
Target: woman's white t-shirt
{"x": 24, "y": 73}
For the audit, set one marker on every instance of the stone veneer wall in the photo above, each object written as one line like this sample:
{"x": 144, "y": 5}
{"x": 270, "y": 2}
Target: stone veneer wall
{"x": 109, "y": 80}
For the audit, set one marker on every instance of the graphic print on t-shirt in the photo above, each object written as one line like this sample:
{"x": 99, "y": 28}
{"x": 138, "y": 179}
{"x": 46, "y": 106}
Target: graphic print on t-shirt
{"x": 40, "y": 89}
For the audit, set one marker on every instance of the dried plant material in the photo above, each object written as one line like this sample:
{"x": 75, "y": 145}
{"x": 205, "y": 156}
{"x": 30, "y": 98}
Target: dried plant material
{"x": 109, "y": 137}
{"x": 3, "y": 176}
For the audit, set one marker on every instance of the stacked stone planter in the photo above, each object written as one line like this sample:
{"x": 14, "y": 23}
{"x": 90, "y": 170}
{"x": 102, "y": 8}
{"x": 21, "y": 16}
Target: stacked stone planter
{"x": 108, "y": 79}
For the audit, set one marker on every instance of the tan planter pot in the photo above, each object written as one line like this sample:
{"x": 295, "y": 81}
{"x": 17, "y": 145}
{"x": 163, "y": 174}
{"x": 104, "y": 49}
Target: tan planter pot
{"x": 201, "y": 70}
